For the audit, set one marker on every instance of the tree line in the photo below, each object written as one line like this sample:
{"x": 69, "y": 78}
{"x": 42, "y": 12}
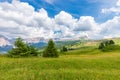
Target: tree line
{"x": 22, "y": 49}
{"x": 108, "y": 45}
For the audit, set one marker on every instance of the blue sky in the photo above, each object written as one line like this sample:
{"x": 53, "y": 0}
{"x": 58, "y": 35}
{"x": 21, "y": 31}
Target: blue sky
{"x": 61, "y": 18}
{"x": 76, "y": 8}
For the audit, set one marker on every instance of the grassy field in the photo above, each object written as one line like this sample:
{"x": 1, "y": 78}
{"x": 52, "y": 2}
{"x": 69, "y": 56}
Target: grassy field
{"x": 101, "y": 66}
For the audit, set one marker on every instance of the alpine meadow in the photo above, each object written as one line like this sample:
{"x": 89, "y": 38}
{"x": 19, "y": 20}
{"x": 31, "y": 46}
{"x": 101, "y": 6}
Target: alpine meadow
{"x": 59, "y": 40}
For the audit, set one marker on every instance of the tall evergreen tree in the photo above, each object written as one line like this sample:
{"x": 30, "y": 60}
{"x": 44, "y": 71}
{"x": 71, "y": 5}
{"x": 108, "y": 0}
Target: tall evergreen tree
{"x": 50, "y": 50}
{"x": 101, "y": 46}
{"x": 22, "y": 49}
{"x": 19, "y": 47}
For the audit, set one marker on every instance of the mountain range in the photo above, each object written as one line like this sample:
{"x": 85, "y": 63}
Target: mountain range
{"x": 7, "y": 44}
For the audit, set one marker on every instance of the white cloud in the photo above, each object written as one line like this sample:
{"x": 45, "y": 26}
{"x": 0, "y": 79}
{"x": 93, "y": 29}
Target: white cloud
{"x": 118, "y": 3}
{"x": 115, "y": 9}
{"x": 85, "y": 23}
{"x": 49, "y": 1}
{"x": 19, "y": 19}
{"x": 64, "y": 18}
{"x": 111, "y": 27}
{"x": 75, "y": 27}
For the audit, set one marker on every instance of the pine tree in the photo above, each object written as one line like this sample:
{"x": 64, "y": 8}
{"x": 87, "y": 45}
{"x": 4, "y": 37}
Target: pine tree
{"x": 22, "y": 49}
{"x": 50, "y": 50}
{"x": 101, "y": 46}
{"x": 19, "y": 48}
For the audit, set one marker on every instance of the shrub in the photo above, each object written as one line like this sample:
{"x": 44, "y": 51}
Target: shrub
{"x": 50, "y": 50}
{"x": 108, "y": 45}
{"x": 64, "y": 49}
{"x": 111, "y": 48}
{"x": 111, "y": 42}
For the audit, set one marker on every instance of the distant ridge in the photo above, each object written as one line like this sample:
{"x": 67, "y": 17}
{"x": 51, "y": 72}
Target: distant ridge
{"x": 6, "y": 44}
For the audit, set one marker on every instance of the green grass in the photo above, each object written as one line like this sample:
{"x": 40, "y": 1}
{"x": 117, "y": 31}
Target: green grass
{"x": 84, "y": 50}
{"x": 67, "y": 67}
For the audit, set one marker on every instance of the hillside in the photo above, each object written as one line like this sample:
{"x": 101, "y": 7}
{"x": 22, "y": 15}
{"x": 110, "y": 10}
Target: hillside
{"x": 93, "y": 43}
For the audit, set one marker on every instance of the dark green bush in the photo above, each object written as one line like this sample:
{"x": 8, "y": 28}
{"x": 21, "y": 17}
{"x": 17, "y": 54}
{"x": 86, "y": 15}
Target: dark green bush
{"x": 108, "y": 45}
{"x": 111, "y": 48}
{"x": 64, "y": 49}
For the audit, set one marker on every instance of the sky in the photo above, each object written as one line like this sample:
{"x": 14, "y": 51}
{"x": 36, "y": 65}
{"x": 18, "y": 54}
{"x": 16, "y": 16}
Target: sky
{"x": 96, "y": 19}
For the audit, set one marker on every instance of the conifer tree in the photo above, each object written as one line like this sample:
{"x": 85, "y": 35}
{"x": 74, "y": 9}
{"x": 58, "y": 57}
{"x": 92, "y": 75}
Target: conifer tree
{"x": 22, "y": 49}
{"x": 50, "y": 50}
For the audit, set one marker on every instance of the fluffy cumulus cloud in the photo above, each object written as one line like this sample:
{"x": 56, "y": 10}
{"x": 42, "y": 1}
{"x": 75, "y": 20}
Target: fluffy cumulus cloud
{"x": 111, "y": 28}
{"x": 19, "y": 19}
